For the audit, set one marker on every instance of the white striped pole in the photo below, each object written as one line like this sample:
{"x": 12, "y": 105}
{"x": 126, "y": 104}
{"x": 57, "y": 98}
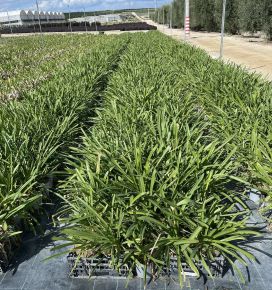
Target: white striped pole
{"x": 187, "y": 19}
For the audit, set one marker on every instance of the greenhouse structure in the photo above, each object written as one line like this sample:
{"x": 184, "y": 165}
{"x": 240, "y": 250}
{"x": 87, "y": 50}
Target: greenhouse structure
{"x": 22, "y": 17}
{"x": 99, "y": 18}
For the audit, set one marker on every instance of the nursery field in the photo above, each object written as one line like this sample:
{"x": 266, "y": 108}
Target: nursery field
{"x": 152, "y": 149}
{"x": 26, "y": 63}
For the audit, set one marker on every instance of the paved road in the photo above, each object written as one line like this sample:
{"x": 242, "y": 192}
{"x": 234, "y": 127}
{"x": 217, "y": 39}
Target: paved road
{"x": 251, "y": 53}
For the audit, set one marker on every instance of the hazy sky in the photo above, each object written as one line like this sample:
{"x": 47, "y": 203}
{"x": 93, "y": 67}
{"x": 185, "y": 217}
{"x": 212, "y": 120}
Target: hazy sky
{"x": 77, "y": 5}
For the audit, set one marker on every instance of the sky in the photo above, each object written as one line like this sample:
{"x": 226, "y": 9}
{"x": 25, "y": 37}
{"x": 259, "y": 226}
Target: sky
{"x": 77, "y": 5}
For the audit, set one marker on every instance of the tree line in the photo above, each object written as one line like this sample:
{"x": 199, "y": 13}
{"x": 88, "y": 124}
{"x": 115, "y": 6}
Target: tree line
{"x": 241, "y": 15}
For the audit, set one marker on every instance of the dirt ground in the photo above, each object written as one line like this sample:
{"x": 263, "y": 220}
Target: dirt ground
{"x": 251, "y": 53}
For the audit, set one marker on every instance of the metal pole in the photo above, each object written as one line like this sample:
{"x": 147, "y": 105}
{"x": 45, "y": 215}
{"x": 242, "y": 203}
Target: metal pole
{"x": 9, "y": 23}
{"x": 187, "y": 19}
{"x": 95, "y": 22}
{"x": 171, "y": 17}
{"x": 85, "y": 19}
{"x": 70, "y": 16}
{"x": 37, "y": 4}
{"x": 223, "y": 29}
{"x": 163, "y": 18}
{"x": 33, "y": 22}
{"x": 156, "y": 10}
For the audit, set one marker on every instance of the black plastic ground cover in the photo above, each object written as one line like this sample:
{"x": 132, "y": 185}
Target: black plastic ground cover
{"x": 29, "y": 271}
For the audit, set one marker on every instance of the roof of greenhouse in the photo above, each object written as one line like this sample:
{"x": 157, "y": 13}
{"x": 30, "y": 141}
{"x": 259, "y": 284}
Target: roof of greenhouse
{"x": 12, "y": 15}
{"x": 25, "y": 15}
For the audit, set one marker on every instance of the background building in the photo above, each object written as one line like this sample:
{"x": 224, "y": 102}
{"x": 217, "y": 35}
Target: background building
{"x": 108, "y": 18}
{"x": 22, "y": 17}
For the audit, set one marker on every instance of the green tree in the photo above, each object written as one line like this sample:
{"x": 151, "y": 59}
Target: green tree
{"x": 241, "y": 15}
{"x": 205, "y": 13}
{"x": 178, "y": 13}
{"x": 251, "y": 13}
{"x": 165, "y": 14}
{"x": 232, "y": 24}
{"x": 267, "y": 22}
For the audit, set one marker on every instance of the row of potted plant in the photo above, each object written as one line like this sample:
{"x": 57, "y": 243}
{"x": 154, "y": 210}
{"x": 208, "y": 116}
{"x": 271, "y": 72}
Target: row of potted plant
{"x": 37, "y": 132}
{"x": 152, "y": 180}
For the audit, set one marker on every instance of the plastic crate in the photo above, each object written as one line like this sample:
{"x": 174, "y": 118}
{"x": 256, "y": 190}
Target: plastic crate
{"x": 215, "y": 267}
{"x": 94, "y": 267}
{"x": 1, "y": 270}
{"x": 8, "y": 248}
